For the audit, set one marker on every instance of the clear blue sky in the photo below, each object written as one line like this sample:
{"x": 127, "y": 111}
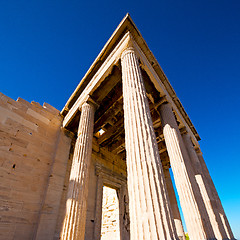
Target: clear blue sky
{"x": 47, "y": 46}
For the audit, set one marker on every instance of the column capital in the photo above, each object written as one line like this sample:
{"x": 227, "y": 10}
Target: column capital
{"x": 162, "y": 100}
{"x": 167, "y": 115}
{"x": 198, "y": 150}
{"x": 184, "y": 131}
{"x": 166, "y": 103}
{"x": 129, "y": 48}
{"x": 91, "y": 102}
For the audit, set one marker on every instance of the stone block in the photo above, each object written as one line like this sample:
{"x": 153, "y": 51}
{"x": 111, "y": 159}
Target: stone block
{"x": 38, "y": 116}
{"x": 51, "y": 109}
{"x": 24, "y": 231}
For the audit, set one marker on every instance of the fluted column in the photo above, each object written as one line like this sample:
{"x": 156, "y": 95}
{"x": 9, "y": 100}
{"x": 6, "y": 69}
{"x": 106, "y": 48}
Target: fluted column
{"x": 75, "y": 218}
{"x": 150, "y": 214}
{"x": 215, "y": 198}
{"x": 174, "y": 205}
{"x": 194, "y": 211}
{"x": 205, "y": 190}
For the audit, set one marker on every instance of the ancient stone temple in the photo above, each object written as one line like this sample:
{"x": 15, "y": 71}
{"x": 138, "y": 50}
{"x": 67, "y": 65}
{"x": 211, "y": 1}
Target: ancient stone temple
{"x": 122, "y": 129}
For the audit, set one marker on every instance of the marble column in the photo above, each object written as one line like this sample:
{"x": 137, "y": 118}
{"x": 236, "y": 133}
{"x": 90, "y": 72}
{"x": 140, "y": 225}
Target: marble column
{"x": 205, "y": 190}
{"x": 174, "y": 205}
{"x": 75, "y": 218}
{"x": 215, "y": 198}
{"x": 150, "y": 213}
{"x": 194, "y": 211}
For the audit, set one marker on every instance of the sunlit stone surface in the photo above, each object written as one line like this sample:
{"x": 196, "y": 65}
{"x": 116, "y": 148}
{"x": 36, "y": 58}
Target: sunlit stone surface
{"x": 110, "y": 215}
{"x": 121, "y": 127}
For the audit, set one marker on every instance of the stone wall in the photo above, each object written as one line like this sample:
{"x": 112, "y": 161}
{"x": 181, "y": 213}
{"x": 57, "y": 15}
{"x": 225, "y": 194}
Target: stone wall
{"x": 34, "y": 153}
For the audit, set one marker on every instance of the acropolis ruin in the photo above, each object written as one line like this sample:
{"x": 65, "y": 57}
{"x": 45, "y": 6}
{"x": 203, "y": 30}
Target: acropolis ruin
{"x": 123, "y": 131}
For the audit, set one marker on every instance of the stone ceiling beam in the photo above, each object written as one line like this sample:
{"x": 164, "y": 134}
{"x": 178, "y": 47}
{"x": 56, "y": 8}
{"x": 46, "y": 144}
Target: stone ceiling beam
{"x": 113, "y": 130}
{"x": 110, "y": 113}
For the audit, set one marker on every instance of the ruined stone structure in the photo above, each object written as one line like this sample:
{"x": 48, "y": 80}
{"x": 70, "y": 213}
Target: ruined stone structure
{"x": 123, "y": 127}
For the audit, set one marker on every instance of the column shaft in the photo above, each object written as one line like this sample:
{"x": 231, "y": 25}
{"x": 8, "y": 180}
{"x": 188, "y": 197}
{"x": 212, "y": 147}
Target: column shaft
{"x": 174, "y": 205}
{"x": 205, "y": 190}
{"x": 75, "y": 218}
{"x": 150, "y": 214}
{"x": 215, "y": 198}
{"x": 195, "y": 215}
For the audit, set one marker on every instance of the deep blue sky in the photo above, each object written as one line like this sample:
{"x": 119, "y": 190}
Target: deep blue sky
{"x": 47, "y": 46}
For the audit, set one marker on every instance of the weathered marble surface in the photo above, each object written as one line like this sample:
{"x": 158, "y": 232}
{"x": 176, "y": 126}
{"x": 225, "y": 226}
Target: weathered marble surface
{"x": 150, "y": 214}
